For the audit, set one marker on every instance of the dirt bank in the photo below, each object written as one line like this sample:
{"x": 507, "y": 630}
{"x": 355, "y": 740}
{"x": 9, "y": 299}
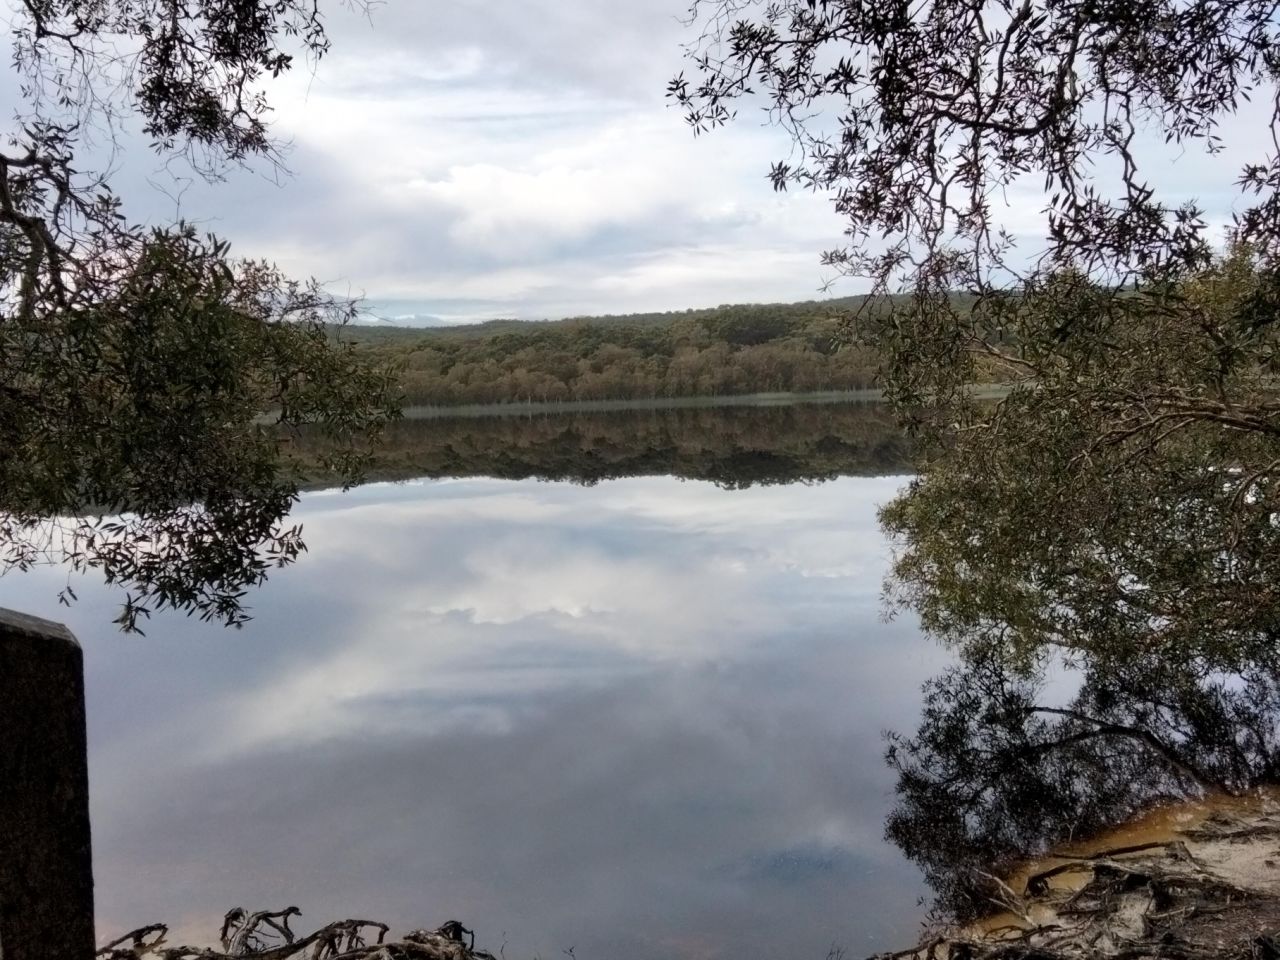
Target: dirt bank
{"x": 1189, "y": 882}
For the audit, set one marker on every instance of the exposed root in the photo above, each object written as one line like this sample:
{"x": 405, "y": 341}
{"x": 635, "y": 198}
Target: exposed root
{"x": 1223, "y": 826}
{"x": 266, "y": 935}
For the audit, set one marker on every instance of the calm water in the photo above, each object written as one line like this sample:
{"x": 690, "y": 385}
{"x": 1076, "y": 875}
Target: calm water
{"x": 638, "y": 719}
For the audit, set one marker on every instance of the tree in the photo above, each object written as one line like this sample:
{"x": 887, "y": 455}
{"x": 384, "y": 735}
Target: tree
{"x": 1122, "y": 495}
{"x": 1117, "y": 506}
{"x": 917, "y": 117}
{"x": 139, "y": 367}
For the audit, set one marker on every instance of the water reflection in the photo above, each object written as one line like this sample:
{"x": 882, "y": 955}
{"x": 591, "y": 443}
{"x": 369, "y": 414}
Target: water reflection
{"x": 1006, "y": 764}
{"x": 731, "y": 446}
{"x": 639, "y": 719}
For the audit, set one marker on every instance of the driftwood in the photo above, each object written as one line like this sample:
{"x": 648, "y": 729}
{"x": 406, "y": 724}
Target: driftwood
{"x": 266, "y": 935}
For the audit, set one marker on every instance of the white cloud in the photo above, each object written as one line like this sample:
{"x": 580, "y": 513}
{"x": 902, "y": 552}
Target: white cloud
{"x": 480, "y": 167}
{"x": 511, "y": 211}
{"x": 479, "y": 596}
{"x": 520, "y": 159}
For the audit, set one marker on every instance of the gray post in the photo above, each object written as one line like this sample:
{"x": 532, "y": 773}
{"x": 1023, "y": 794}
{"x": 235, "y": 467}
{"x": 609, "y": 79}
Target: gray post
{"x": 46, "y": 871}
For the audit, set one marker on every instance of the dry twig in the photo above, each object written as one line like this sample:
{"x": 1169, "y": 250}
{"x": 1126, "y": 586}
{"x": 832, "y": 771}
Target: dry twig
{"x": 266, "y": 935}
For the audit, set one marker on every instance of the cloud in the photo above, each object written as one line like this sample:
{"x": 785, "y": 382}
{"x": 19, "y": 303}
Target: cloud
{"x": 638, "y": 717}
{"x": 512, "y": 160}
{"x": 529, "y": 573}
{"x": 476, "y": 159}
{"x": 519, "y": 211}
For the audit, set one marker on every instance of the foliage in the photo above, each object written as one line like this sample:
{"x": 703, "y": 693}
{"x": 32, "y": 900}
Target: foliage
{"x": 1118, "y": 508}
{"x": 728, "y": 350}
{"x": 138, "y": 364}
{"x": 919, "y": 118}
{"x": 1122, "y": 498}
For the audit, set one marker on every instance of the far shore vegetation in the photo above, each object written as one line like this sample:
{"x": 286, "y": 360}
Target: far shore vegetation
{"x": 731, "y": 350}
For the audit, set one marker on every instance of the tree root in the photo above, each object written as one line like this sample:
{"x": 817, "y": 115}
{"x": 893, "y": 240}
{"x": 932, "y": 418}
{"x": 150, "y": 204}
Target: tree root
{"x": 266, "y": 935}
{"x": 1234, "y": 829}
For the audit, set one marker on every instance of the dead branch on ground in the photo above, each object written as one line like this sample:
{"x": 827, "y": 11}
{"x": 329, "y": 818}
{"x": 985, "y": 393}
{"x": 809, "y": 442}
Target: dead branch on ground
{"x": 266, "y": 935}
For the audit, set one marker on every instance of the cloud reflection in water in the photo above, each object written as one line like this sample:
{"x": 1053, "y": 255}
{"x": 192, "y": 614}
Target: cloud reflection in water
{"x": 640, "y": 719}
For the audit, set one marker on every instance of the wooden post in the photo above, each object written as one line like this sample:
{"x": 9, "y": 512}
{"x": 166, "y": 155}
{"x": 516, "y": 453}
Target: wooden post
{"x": 46, "y": 870}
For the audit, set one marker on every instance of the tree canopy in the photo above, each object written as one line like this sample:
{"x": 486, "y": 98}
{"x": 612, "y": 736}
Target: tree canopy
{"x": 722, "y": 351}
{"x": 1117, "y": 510}
{"x": 918, "y": 117}
{"x": 139, "y": 365}
{"x": 1122, "y": 496}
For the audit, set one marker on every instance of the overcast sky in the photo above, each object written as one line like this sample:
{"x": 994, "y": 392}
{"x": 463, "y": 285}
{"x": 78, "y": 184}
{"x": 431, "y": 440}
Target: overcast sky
{"x": 518, "y": 158}
{"x": 512, "y": 158}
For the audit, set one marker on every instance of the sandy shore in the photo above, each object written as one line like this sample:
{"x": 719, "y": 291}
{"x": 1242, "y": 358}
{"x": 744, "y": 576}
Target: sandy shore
{"x": 1188, "y": 882}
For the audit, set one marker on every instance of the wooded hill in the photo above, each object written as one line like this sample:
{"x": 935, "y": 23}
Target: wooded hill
{"x": 734, "y": 349}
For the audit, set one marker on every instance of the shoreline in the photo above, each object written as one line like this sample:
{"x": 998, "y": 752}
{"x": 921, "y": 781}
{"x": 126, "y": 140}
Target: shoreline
{"x": 871, "y": 395}
{"x": 639, "y": 405}
{"x": 1199, "y": 879}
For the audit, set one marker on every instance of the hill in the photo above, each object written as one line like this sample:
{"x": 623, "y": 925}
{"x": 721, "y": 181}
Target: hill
{"x": 731, "y": 349}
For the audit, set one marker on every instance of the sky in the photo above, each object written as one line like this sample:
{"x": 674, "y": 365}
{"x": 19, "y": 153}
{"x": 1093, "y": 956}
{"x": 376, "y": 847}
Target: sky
{"x": 501, "y": 158}
{"x": 473, "y": 160}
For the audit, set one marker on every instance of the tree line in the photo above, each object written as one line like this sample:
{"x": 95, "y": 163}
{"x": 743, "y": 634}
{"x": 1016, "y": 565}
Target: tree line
{"x": 722, "y": 351}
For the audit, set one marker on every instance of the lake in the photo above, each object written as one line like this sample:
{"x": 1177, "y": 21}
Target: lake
{"x": 619, "y": 712}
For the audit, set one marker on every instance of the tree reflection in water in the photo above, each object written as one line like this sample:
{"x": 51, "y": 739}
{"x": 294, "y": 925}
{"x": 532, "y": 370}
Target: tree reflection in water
{"x": 731, "y": 446}
{"x": 1008, "y": 760}
{"x": 1003, "y": 766}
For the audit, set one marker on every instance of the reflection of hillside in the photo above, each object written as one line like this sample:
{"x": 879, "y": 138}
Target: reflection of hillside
{"x": 733, "y": 447}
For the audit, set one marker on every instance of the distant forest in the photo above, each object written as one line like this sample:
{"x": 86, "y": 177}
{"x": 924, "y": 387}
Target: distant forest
{"x": 719, "y": 351}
